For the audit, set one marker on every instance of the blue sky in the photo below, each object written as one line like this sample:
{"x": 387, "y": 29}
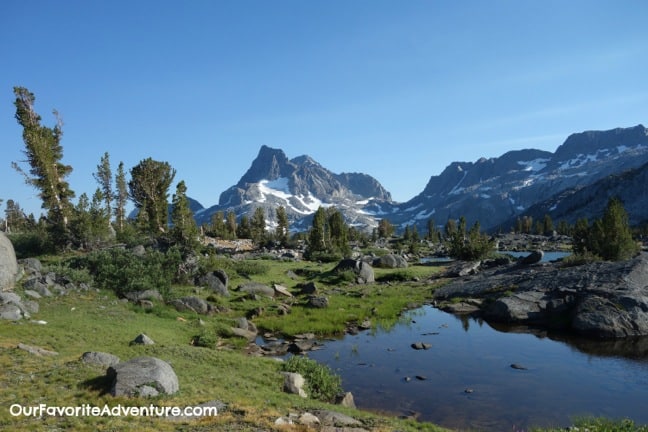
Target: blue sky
{"x": 394, "y": 89}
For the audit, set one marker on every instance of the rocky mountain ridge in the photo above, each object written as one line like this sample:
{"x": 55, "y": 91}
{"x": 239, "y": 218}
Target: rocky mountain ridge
{"x": 301, "y": 186}
{"x": 492, "y": 191}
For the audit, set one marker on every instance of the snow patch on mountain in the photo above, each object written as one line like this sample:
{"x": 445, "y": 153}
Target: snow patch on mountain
{"x": 534, "y": 165}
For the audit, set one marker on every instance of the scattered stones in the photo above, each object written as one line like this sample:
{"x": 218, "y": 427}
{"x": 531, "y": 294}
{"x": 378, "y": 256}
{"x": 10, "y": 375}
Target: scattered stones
{"x": 142, "y": 339}
{"x": 100, "y": 358}
{"x": 143, "y": 376}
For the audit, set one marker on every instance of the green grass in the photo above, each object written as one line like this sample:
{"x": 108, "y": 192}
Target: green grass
{"x": 251, "y": 386}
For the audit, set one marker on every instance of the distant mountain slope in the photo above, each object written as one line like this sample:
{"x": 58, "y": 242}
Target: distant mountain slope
{"x": 497, "y": 190}
{"x": 590, "y": 201}
{"x": 301, "y": 186}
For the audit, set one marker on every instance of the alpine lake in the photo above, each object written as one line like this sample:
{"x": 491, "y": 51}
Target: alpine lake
{"x": 482, "y": 377}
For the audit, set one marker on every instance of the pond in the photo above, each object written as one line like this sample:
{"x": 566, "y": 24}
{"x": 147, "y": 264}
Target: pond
{"x": 548, "y": 256}
{"x": 467, "y": 381}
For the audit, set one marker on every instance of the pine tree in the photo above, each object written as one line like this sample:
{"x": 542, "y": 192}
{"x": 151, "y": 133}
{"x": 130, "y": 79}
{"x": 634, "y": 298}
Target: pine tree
{"x": 44, "y": 154}
{"x": 282, "y": 230}
{"x": 317, "y": 234}
{"x": 338, "y": 232}
{"x": 184, "y": 231}
{"x": 243, "y": 230}
{"x": 258, "y": 225}
{"x": 613, "y": 233}
{"x": 103, "y": 176}
{"x": 121, "y": 197}
{"x": 231, "y": 225}
{"x": 149, "y": 190}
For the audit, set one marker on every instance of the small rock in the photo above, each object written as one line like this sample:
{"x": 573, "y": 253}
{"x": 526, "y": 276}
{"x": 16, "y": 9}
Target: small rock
{"x": 518, "y": 366}
{"x": 294, "y": 383}
{"x": 345, "y": 400}
{"x": 100, "y": 358}
{"x": 36, "y": 350}
{"x": 142, "y": 339}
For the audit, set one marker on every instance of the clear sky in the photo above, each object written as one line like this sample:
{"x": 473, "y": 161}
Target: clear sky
{"x": 394, "y": 89}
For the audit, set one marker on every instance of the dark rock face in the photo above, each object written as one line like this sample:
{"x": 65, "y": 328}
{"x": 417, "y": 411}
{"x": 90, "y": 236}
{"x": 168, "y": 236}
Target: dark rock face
{"x": 600, "y": 300}
{"x": 143, "y": 376}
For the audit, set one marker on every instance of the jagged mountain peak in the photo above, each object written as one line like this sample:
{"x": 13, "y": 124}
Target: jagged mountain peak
{"x": 300, "y": 185}
{"x": 270, "y": 164}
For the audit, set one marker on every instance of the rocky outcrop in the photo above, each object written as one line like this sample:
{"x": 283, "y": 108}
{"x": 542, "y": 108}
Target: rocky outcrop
{"x": 601, "y": 299}
{"x": 8, "y": 264}
{"x": 143, "y": 376}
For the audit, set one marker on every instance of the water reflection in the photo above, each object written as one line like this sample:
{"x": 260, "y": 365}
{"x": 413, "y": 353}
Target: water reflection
{"x": 564, "y": 376}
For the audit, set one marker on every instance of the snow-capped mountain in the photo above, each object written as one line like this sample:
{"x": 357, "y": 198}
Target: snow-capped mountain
{"x": 301, "y": 186}
{"x": 492, "y": 191}
{"x": 496, "y": 190}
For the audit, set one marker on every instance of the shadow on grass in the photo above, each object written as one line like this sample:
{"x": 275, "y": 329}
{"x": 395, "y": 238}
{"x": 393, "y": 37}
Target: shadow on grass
{"x": 101, "y": 384}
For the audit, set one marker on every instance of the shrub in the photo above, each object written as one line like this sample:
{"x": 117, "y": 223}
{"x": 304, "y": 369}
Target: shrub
{"x": 31, "y": 244}
{"x": 321, "y": 382}
{"x": 122, "y": 271}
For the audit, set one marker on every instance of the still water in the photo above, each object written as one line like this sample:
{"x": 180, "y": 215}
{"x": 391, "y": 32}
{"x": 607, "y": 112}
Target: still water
{"x": 469, "y": 382}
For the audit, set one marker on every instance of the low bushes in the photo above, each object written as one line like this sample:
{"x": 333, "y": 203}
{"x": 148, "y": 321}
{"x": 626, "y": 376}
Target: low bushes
{"x": 321, "y": 382}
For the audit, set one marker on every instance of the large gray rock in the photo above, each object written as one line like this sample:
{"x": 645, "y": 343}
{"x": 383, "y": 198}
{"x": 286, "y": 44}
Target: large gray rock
{"x": 294, "y": 383}
{"x": 601, "y": 300}
{"x": 390, "y": 261}
{"x": 363, "y": 271}
{"x": 257, "y": 288}
{"x": 192, "y": 304}
{"x": 217, "y": 281}
{"x": 13, "y": 308}
{"x": 8, "y": 264}
{"x": 142, "y": 376}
